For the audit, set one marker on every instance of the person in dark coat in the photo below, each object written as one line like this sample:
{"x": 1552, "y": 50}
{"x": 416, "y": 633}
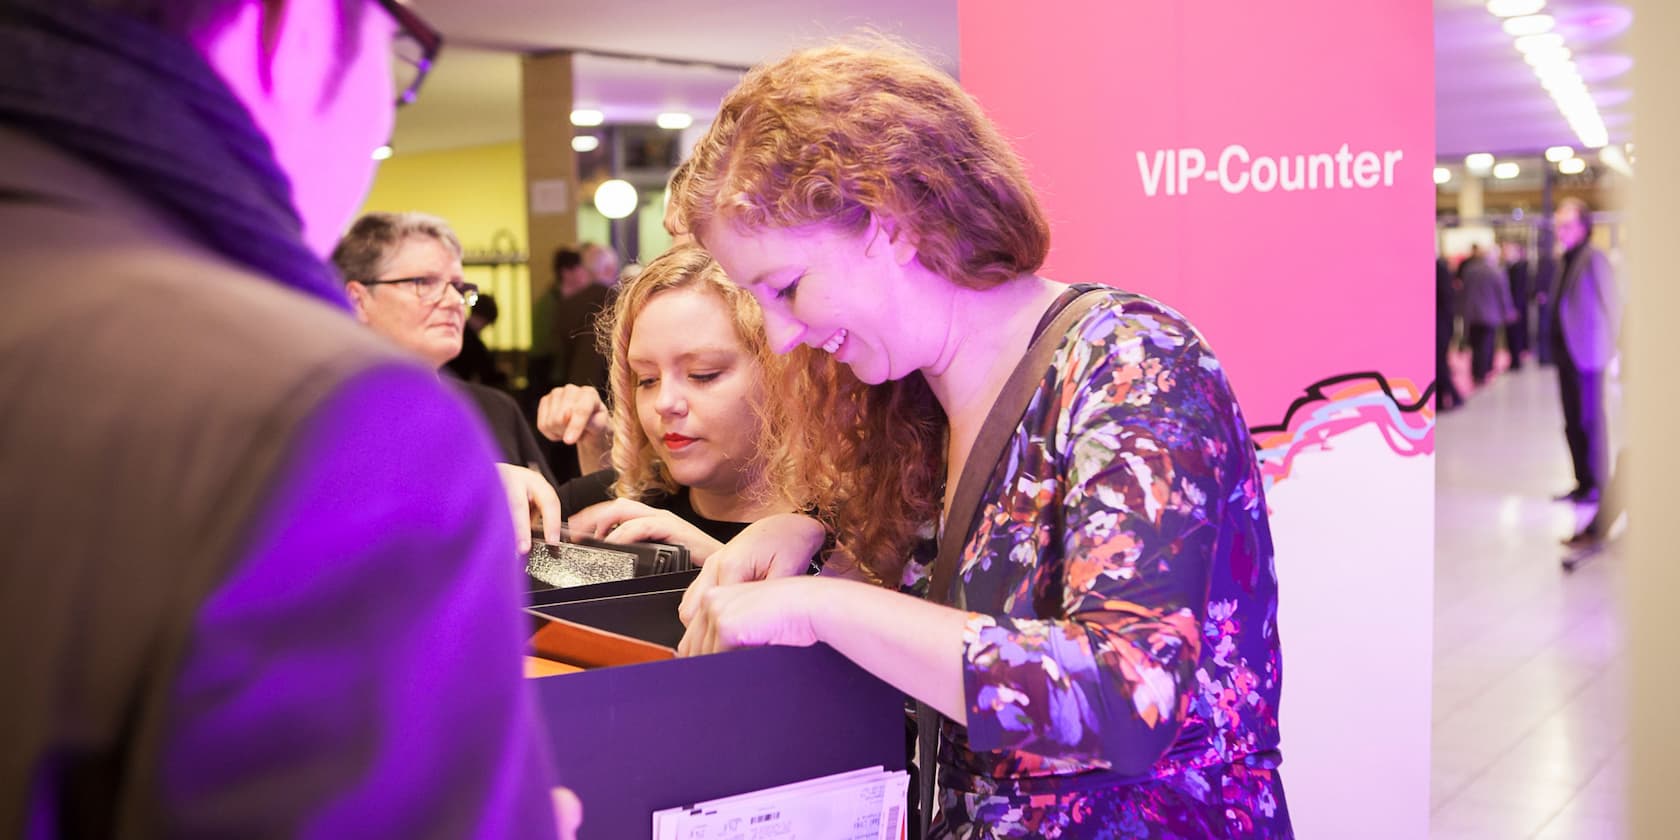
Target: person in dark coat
{"x": 1586, "y": 319}
{"x": 1487, "y": 310}
{"x": 1522, "y": 296}
{"x": 476, "y": 363}
{"x": 258, "y": 576}
{"x": 1447, "y": 396}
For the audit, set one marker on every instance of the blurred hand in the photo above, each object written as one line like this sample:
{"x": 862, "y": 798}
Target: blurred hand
{"x": 568, "y": 813}
{"x": 575, "y": 414}
{"x": 763, "y": 612}
{"x": 775, "y": 546}
{"x": 530, "y": 500}
{"x": 626, "y": 521}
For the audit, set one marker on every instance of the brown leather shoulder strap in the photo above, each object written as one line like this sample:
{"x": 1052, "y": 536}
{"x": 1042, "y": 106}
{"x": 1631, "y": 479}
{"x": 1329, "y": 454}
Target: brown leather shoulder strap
{"x": 997, "y": 431}
{"x": 995, "y": 434}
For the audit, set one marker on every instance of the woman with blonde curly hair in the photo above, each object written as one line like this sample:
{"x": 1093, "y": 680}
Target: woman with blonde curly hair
{"x": 1098, "y": 644}
{"x": 687, "y": 358}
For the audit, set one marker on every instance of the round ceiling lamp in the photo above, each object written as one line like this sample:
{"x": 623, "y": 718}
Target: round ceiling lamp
{"x": 615, "y": 199}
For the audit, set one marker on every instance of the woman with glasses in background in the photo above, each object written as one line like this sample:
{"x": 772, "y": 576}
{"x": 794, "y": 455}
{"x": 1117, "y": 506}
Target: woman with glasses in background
{"x": 403, "y": 274}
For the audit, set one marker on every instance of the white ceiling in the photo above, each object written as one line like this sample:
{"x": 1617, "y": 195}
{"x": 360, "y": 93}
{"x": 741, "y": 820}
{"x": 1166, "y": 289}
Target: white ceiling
{"x": 1486, "y": 97}
{"x": 1488, "y": 100}
{"x": 472, "y": 96}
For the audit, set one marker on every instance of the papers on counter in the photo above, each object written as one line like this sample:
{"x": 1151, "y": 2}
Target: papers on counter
{"x": 864, "y": 804}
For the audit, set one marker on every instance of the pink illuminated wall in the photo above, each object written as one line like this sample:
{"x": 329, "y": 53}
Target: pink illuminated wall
{"x": 1265, "y": 168}
{"x": 1084, "y": 88}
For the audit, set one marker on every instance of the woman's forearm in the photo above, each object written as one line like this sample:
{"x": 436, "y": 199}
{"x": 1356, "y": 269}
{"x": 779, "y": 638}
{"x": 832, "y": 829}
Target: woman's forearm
{"x": 915, "y": 646}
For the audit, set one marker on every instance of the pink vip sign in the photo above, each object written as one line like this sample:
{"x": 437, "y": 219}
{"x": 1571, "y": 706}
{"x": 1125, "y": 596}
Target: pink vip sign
{"x": 1265, "y": 168}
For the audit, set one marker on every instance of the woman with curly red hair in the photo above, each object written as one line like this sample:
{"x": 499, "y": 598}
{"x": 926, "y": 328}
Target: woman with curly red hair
{"x": 1099, "y": 640}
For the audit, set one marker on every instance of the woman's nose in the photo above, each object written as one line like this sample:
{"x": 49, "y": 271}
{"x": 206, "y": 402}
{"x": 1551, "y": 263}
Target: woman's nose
{"x": 670, "y": 399}
{"x": 783, "y": 332}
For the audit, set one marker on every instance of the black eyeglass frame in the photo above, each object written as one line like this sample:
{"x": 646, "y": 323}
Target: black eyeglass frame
{"x": 467, "y": 291}
{"x": 429, "y": 39}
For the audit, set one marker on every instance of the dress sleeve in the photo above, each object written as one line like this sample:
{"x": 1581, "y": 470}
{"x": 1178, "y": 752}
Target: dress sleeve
{"x": 357, "y": 674}
{"x": 1146, "y": 431}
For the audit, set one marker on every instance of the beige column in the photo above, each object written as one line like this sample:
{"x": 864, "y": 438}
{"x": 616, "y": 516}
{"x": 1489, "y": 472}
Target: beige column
{"x": 1470, "y": 197}
{"x": 551, "y": 181}
{"x": 1653, "y": 401}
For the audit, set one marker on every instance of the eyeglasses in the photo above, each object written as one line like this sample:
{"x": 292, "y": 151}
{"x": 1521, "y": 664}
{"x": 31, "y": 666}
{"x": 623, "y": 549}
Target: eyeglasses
{"x": 416, "y": 46}
{"x": 430, "y": 290}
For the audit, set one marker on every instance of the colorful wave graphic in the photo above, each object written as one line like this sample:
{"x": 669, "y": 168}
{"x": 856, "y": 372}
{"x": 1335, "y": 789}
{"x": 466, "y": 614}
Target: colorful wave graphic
{"x": 1340, "y": 404}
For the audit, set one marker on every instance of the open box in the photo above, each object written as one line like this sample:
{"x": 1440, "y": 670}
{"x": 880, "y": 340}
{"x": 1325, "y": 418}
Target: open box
{"x": 631, "y": 739}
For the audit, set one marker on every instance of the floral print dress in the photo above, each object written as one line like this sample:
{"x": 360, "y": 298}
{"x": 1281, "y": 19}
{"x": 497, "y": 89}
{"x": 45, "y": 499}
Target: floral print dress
{"x": 1121, "y": 661}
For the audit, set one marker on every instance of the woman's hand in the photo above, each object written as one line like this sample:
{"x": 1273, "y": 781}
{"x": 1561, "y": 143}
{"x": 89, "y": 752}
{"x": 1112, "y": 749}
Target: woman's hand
{"x": 781, "y": 545}
{"x": 530, "y": 499}
{"x": 575, "y": 414}
{"x": 568, "y": 813}
{"x": 625, "y": 521}
{"x": 764, "y": 612}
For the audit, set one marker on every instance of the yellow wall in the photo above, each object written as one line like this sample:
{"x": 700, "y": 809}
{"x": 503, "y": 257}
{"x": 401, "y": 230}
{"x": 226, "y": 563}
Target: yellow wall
{"x": 480, "y": 191}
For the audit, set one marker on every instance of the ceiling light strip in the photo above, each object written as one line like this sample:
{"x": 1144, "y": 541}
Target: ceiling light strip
{"x": 1553, "y": 65}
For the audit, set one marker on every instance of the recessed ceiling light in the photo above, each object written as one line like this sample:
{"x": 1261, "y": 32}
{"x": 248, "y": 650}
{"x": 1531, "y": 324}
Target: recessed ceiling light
{"x": 1506, "y": 171}
{"x": 1515, "y": 8}
{"x": 1528, "y": 25}
{"x": 1478, "y": 163}
{"x": 1548, "y": 41}
{"x": 674, "y": 120}
{"x": 588, "y": 117}
{"x": 1542, "y": 56}
{"x": 585, "y": 143}
{"x": 1560, "y": 153}
{"x": 1572, "y": 166}
{"x": 1442, "y": 174}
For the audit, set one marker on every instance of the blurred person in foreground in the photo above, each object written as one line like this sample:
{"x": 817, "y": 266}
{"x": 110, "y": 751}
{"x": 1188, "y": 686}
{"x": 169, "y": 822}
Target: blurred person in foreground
{"x": 294, "y": 614}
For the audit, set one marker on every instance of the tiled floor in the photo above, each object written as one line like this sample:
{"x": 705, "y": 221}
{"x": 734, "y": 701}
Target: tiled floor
{"x": 1529, "y": 721}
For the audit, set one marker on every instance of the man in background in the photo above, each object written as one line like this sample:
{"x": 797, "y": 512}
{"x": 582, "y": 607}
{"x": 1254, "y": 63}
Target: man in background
{"x": 601, "y": 263}
{"x": 1447, "y": 396}
{"x": 476, "y": 363}
{"x": 1522, "y": 296}
{"x": 585, "y": 289}
{"x": 260, "y": 576}
{"x": 1585, "y": 319}
{"x": 1487, "y": 309}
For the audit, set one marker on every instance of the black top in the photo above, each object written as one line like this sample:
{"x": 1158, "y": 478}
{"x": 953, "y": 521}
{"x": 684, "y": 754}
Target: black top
{"x": 579, "y": 493}
{"x": 475, "y": 362}
{"x": 515, "y": 441}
